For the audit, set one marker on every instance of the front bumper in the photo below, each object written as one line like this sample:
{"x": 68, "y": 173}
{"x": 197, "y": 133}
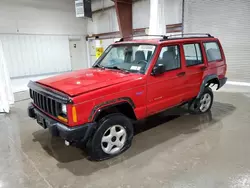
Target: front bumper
{"x": 74, "y": 135}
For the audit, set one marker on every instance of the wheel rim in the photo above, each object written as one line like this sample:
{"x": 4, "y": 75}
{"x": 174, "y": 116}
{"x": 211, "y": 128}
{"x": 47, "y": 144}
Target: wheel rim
{"x": 114, "y": 139}
{"x": 205, "y": 102}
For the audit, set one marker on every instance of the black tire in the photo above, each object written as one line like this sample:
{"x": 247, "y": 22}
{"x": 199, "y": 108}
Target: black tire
{"x": 94, "y": 145}
{"x": 194, "y": 105}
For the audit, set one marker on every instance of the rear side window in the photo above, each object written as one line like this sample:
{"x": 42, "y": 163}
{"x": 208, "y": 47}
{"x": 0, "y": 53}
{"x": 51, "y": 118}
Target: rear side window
{"x": 192, "y": 54}
{"x": 212, "y": 51}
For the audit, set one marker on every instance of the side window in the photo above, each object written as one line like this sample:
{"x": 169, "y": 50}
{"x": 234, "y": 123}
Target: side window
{"x": 193, "y": 54}
{"x": 212, "y": 51}
{"x": 170, "y": 57}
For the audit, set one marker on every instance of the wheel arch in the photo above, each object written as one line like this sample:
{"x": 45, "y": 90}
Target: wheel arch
{"x": 124, "y": 106}
{"x": 207, "y": 81}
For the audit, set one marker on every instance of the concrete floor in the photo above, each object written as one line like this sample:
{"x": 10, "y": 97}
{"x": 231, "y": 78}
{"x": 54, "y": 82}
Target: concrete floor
{"x": 177, "y": 151}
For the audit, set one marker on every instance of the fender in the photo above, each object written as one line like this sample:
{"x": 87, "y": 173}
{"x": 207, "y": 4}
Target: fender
{"x": 204, "y": 82}
{"x": 108, "y": 104}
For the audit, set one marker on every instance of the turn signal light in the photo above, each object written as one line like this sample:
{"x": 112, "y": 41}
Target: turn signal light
{"x": 74, "y": 115}
{"x": 62, "y": 119}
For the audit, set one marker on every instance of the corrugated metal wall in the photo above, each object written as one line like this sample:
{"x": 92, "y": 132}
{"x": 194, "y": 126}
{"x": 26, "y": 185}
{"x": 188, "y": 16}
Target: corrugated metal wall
{"x": 229, "y": 21}
{"x": 28, "y": 55}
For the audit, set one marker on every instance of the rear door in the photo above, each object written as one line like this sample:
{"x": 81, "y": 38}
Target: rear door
{"x": 166, "y": 90}
{"x": 195, "y": 68}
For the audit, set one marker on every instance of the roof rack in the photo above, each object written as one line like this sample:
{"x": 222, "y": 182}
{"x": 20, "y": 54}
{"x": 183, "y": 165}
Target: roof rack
{"x": 131, "y": 37}
{"x": 171, "y": 37}
{"x": 188, "y": 35}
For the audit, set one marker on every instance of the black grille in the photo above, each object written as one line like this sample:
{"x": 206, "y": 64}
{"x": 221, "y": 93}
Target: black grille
{"x": 46, "y": 104}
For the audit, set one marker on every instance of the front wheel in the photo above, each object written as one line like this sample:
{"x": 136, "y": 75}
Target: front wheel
{"x": 114, "y": 135}
{"x": 204, "y": 103}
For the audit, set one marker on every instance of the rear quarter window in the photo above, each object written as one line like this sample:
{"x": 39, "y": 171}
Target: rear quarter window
{"x": 212, "y": 51}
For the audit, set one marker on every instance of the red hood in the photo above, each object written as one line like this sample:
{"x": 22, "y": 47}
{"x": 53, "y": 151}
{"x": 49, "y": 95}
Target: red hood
{"x": 83, "y": 81}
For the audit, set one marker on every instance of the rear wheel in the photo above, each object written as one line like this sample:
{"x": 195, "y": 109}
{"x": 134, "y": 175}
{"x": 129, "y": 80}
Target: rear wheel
{"x": 114, "y": 136}
{"x": 202, "y": 104}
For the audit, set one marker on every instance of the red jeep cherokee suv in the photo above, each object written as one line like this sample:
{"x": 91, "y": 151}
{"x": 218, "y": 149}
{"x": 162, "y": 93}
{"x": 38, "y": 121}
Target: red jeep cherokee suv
{"x": 130, "y": 81}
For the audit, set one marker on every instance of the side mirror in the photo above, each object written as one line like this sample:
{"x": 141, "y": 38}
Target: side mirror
{"x": 158, "y": 69}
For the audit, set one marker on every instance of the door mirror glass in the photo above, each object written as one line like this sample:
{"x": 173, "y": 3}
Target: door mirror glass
{"x": 158, "y": 69}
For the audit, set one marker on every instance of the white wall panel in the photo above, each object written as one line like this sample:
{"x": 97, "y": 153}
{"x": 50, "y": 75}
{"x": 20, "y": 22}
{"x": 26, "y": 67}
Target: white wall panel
{"x": 35, "y": 35}
{"x": 173, "y": 11}
{"x": 100, "y": 4}
{"x": 36, "y": 54}
{"x": 106, "y": 21}
{"x": 103, "y": 22}
{"x": 40, "y": 17}
{"x": 141, "y": 14}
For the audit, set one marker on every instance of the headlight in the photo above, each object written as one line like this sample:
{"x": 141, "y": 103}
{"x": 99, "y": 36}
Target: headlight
{"x": 64, "y": 109}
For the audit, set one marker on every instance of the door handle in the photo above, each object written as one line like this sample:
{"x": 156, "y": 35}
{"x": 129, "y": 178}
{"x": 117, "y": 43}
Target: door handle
{"x": 181, "y": 74}
{"x": 203, "y": 68}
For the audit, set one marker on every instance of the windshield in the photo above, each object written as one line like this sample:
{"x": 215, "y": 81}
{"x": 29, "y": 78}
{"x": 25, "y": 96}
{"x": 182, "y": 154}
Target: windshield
{"x": 128, "y": 57}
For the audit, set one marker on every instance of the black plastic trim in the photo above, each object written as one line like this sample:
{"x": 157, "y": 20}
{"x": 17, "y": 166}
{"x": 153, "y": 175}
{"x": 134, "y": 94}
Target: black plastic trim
{"x": 74, "y": 135}
{"x": 50, "y": 93}
{"x": 222, "y": 82}
{"x": 109, "y": 104}
{"x": 210, "y": 77}
{"x": 204, "y": 82}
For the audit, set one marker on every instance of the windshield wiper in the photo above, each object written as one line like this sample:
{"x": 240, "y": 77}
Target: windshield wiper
{"x": 99, "y": 66}
{"x": 117, "y": 68}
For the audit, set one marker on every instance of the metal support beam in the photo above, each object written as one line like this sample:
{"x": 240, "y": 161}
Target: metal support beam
{"x": 124, "y": 16}
{"x": 183, "y": 12}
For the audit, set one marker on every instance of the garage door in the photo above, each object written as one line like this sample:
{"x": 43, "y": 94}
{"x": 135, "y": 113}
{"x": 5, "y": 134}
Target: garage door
{"x": 28, "y": 55}
{"x": 229, "y": 21}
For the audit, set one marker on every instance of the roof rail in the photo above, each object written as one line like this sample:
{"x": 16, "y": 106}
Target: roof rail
{"x": 189, "y": 35}
{"x": 174, "y": 36}
{"x": 131, "y": 37}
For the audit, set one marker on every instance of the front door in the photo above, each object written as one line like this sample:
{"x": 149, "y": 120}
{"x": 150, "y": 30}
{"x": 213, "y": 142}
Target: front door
{"x": 166, "y": 90}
